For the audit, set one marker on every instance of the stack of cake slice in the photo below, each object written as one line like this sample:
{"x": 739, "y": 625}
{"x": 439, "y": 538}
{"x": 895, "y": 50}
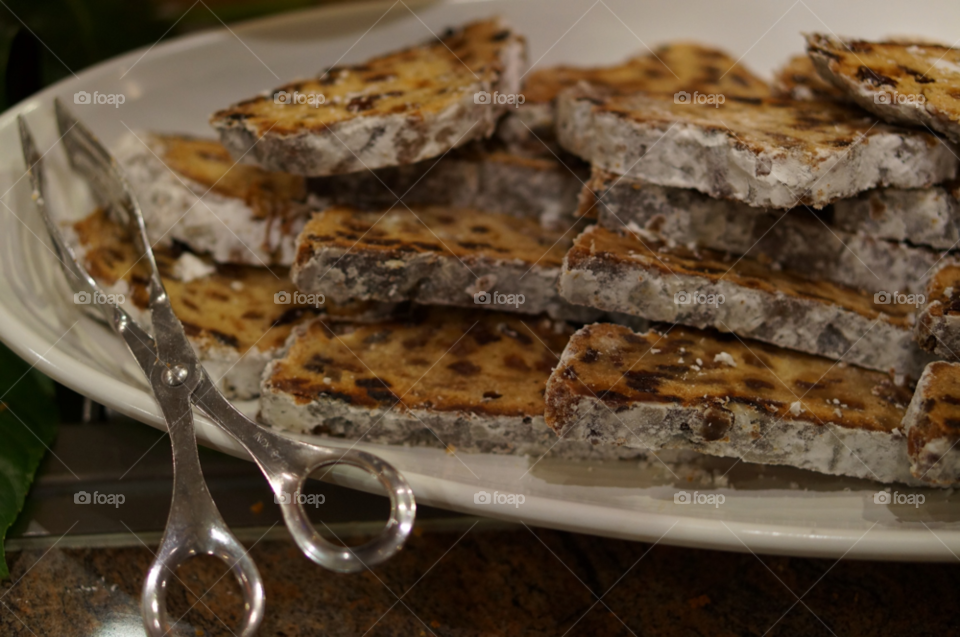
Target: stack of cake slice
{"x": 476, "y": 271}
{"x": 226, "y": 230}
{"x": 881, "y": 239}
{"x": 425, "y": 245}
{"x": 468, "y": 380}
{"x": 796, "y": 220}
{"x": 237, "y": 317}
{"x": 486, "y": 257}
{"x": 687, "y": 389}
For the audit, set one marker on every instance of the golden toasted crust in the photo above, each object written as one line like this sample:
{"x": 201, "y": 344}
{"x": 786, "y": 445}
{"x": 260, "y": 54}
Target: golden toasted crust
{"x": 816, "y": 127}
{"x": 937, "y": 414}
{"x": 715, "y": 266}
{"x": 943, "y": 291}
{"x": 688, "y": 367}
{"x": 416, "y": 82}
{"x": 766, "y": 152}
{"x": 900, "y": 81}
{"x": 938, "y": 324}
{"x": 668, "y": 69}
{"x": 438, "y": 230}
{"x": 205, "y": 161}
{"x": 234, "y": 306}
{"x": 443, "y": 360}
{"x": 798, "y": 79}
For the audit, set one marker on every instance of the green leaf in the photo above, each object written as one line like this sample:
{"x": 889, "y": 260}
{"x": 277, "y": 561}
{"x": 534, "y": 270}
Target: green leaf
{"x": 28, "y": 425}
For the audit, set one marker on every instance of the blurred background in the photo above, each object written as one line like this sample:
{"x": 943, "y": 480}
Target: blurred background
{"x": 41, "y": 39}
{"x": 78, "y": 570}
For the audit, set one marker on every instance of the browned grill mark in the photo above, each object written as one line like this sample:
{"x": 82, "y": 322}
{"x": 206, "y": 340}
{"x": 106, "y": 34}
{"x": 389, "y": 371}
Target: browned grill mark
{"x": 227, "y": 339}
{"x": 317, "y": 363}
{"x": 830, "y": 54}
{"x": 673, "y": 369}
{"x": 291, "y": 316}
{"x": 757, "y": 384}
{"x": 464, "y": 368}
{"x": 918, "y": 77}
{"x": 643, "y": 381}
{"x": 383, "y": 395}
{"x": 372, "y": 383}
{"x": 191, "y": 329}
{"x": 590, "y": 356}
{"x": 866, "y": 74}
{"x": 362, "y": 103}
{"x": 335, "y": 395}
{"x": 610, "y": 396}
{"x": 513, "y": 361}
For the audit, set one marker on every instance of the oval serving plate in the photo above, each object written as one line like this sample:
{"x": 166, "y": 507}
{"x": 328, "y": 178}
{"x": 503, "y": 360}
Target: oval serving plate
{"x": 174, "y": 87}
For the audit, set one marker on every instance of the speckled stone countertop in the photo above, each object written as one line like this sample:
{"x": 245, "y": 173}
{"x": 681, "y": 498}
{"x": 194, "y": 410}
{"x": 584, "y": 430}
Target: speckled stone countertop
{"x": 479, "y": 581}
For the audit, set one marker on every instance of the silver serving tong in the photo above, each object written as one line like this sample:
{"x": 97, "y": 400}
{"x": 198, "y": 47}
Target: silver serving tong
{"x": 179, "y": 382}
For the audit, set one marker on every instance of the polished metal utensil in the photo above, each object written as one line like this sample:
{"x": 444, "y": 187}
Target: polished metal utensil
{"x": 179, "y": 383}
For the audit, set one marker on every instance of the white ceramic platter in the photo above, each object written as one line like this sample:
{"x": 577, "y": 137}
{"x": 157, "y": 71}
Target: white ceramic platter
{"x": 176, "y": 85}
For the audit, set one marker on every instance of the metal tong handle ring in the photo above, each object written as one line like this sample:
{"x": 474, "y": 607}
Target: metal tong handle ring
{"x": 194, "y": 525}
{"x": 174, "y": 551}
{"x": 343, "y": 559}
